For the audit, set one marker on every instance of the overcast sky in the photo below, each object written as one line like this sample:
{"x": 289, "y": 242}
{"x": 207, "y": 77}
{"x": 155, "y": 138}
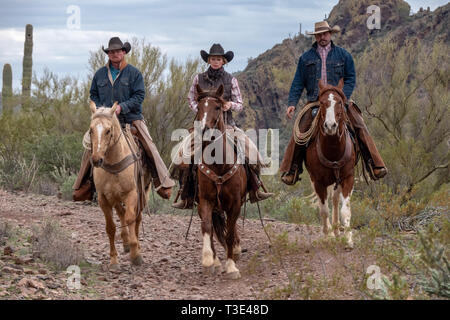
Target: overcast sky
{"x": 180, "y": 28}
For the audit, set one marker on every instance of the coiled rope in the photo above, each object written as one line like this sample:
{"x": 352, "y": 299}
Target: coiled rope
{"x": 302, "y": 138}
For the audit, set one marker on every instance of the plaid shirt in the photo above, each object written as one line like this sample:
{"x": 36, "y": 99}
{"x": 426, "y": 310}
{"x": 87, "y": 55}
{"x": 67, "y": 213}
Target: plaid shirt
{"x": 236, "y": 98}
{"x": 323, "y": 53}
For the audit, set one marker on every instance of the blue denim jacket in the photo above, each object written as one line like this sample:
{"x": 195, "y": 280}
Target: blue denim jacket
{"x": 128, "y": 89}
{"x": 339, "y": 65}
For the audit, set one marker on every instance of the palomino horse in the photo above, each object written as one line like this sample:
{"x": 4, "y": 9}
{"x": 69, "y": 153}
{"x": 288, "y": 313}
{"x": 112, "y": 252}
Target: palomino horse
{"x": 330, "y": 159}
{"x": 222, "y": 188}
{"x": 114, "y": 179}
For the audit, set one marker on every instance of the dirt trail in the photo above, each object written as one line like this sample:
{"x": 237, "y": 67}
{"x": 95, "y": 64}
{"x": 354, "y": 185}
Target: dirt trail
{"x": 172, "y": 267}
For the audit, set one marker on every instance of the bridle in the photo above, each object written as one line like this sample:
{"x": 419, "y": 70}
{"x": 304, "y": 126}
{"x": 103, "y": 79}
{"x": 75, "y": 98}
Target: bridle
{"x": 341, "y": 116}
{"x": 208, "y": 172}
{"x": 335, "y": 165}
{"x": 122, "y": 164}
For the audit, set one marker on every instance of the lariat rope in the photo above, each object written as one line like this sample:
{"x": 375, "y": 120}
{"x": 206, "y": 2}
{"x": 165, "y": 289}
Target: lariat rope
{"x": 302, "y": 138}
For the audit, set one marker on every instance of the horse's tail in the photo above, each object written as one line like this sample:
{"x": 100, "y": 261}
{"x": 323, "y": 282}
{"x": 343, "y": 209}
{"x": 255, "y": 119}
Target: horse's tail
{"x": 219, "y": 225}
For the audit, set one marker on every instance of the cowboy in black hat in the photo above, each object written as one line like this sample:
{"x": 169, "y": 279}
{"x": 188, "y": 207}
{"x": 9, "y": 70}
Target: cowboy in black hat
{"x": 122, "y": 82}
{"x": 209, "y": 80}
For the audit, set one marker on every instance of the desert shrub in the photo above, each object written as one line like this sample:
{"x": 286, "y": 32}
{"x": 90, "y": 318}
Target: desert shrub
{"x": 66, "y": 187}
{"x": 18, "y": 174}
{"x": 435, "y": 255}
{"x": 6, "y": 231}
{"x": 53, "y": 245}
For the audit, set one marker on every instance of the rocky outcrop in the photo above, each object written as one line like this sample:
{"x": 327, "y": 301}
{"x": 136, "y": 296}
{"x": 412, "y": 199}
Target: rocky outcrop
{"x": 265, "y": 82}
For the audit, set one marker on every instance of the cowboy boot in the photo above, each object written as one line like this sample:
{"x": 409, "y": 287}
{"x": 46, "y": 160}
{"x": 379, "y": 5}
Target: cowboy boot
{"x": 372, "y": 158}
{"x": 186, "y": 201}
{"x": 292, "y": 164}
{"x": 293, "y": 175}
{"x": 254, "y": 184}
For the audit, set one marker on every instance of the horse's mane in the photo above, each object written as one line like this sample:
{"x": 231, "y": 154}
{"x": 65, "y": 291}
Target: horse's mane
{"x": 104, "y": 112}
{"x": 329, "y": 87}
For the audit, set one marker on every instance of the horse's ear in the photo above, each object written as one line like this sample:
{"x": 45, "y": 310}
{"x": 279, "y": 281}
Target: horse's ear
{"x": 321, "y": 85}
{"x": 219, "y": 91}
{"x": 92, "y": 106}
{"x": 199, "y": 89}
{"x": 113, "y": 108}
{"x": 341, "y": 83}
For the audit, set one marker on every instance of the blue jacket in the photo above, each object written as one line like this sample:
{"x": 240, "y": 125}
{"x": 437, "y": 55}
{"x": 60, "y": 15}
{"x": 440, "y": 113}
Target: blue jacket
{"x": 128, "y": 89}
{"x": 339, "y": 65}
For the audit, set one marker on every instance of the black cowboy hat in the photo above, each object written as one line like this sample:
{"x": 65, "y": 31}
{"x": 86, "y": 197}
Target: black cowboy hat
{"x": 115, "y": 43}
{"x": 216, "y": 50}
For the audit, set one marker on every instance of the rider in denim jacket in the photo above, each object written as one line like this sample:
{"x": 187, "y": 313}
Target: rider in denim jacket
{"x": 327, "y": 62}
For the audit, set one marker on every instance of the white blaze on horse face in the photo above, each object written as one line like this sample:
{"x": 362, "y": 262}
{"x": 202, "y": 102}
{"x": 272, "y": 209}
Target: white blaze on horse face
{"x": 330, "y": 118}
{"x": 207, "y": 254}
{"x": 99, "y": 135}
{"x": 204, "y": 120}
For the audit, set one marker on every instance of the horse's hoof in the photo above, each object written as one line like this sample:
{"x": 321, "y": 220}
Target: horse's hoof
{"x": 126, "y": 248}
{"x": 209, "y": 271}
{"x": 348, "y": 247}
{"x": 233, "y": 275}
{"x": 114, "y": 267}
{"x": 218, "y": 268}
{"x": 137, "y": 261}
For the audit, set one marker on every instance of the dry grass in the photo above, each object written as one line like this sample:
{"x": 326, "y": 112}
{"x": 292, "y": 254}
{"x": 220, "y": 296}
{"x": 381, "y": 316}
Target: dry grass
{"x": 53, "y": 245}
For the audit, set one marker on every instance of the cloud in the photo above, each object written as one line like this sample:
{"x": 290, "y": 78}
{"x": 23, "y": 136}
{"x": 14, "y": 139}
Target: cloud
{"x": 180, "y": 28}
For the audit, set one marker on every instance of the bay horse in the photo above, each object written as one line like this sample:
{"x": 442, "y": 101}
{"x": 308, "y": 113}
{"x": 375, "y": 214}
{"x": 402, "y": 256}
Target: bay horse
{"x": 331, "y": 158}
{"x": 115, "y": 182}
{"x": 222, "y": 189}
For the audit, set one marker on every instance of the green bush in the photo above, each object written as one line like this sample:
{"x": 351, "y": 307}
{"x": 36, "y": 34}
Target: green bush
{"x": 66, "y": 187}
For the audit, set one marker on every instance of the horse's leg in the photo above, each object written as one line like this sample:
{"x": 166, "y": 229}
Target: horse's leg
{"x": 205, "y": 210}
{"x": 130, "y": 221}
{"x": 237, "y": 244}
{"x": 124, "y": 230}
{"x": 230, "y": 266}
{"x": 322, "y": 194}
{"x": 346, "y": 213}
{"x": 335, "y": 215}
{"x": 137, "y": 225}
{"x": 110, "y": 229}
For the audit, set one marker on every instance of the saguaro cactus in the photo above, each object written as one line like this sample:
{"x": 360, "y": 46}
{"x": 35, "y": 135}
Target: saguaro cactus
{"x": 27, "y": 62}
{"x": 7, "y": 87}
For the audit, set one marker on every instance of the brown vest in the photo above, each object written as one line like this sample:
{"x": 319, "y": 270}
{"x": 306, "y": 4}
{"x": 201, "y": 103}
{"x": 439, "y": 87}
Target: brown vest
{"x": 209, "y": 84}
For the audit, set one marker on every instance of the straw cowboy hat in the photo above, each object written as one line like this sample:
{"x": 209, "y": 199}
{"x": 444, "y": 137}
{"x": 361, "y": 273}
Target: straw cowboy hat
{"x": 115, "y": 43}
{"x": 217, "y": 50}
{"x": 322, "y": 26}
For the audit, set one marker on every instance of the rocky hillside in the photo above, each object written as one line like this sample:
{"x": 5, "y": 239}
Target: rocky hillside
{"x": 266, "y": 80}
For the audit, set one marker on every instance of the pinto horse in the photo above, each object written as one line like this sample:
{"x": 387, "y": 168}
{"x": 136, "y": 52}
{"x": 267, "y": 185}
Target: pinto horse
{"x": 222, "y": 189}
{"x": 331, "y": 158}
{"x": 115, "y": 181}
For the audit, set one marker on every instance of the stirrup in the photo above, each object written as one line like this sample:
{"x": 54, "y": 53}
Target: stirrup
{"x": 183, "y": 204}
{"x": 295, "y": 178}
